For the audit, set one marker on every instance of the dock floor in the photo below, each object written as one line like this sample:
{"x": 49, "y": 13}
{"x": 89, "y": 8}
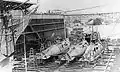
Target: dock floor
{"x": 116, "y": 65}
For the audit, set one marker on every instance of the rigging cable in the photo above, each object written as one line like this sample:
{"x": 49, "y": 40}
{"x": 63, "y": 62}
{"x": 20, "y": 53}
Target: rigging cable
{"x": 83, "y": 9}
{"x": 17, "y": 6}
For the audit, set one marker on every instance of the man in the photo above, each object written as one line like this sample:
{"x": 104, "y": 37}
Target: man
{"x": 58, "y": 40}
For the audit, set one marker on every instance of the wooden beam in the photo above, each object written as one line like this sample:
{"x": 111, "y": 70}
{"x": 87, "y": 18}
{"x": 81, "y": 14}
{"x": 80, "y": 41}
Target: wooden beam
{"x": 26, "y": 43}
{"x": 15, "y": 5}
{"x": 35, "y": 32}
{"x": 47, "y": 23}
{"x": 43, "y": 30}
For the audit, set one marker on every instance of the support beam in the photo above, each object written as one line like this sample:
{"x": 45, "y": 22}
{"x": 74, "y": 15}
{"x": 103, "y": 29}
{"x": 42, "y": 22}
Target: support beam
{"x": 43, "y": 30}
{"x": 35, "y": 32}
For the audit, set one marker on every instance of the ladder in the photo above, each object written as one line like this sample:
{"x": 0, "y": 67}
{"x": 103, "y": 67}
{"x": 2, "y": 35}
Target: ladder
{"x": 32, "y": 59}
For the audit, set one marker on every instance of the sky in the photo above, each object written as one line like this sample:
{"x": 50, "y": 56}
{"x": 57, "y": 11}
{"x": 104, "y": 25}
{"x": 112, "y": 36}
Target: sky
{"x": 105, "y": 6}
{"x": 108, "y": 5}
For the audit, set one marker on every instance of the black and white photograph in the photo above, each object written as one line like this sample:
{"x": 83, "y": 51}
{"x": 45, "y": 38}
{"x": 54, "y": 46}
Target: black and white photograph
{"x": 59, "y": 36}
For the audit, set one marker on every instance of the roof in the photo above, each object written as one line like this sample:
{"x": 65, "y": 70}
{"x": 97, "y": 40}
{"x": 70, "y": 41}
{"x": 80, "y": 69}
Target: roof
{"x": 14, "y": 5}
{"x": 92, "y": 13}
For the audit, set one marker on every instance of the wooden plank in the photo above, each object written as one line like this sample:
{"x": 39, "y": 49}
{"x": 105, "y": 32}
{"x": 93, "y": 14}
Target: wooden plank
{"x": 47, "y": 23}
{"x": 43, "y": 30}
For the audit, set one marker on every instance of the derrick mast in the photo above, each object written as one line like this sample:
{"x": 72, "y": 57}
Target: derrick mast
{"x": 7, "y": 23}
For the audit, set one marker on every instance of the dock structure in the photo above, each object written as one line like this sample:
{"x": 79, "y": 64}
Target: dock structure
{"x": 40, "y": 42}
